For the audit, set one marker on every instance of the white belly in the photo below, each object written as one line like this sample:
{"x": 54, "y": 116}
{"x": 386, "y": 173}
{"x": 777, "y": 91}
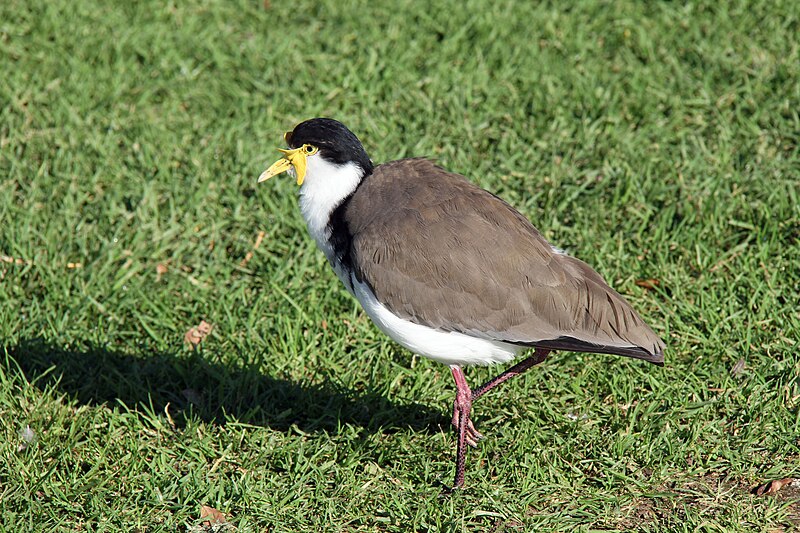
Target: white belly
{"x": 450, "y": 348}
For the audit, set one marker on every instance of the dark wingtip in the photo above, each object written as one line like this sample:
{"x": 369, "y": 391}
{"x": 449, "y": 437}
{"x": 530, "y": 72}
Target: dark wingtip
{"x": 654, "y": 355}
{"x": 657, "y": 357}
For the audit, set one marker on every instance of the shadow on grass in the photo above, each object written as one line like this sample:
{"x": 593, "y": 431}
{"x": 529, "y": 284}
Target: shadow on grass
{"x": 193, "y": 387}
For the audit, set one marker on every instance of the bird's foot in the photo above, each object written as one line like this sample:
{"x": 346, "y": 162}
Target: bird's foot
{"x": 461, "y": 408}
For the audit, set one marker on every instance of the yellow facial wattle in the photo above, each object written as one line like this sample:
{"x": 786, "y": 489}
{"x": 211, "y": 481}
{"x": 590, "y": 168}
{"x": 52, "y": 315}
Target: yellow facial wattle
{"x": 293, "y": 158}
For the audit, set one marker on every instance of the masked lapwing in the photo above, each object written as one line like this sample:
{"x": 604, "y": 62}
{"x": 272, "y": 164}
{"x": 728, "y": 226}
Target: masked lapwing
{"x": 449, "y": 270}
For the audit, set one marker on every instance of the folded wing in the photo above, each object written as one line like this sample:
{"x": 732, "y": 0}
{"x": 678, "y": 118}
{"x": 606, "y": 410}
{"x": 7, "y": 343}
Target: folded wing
{"x": 451, "y": 256}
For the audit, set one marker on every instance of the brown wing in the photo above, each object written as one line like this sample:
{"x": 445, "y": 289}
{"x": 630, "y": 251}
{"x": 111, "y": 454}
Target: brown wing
{"x": 451, "y": 256}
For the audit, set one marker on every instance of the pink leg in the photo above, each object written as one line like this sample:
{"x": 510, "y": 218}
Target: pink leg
{"x": 461, "y": 409}
{"x": 462, "y": 406}
{"x": 539, "y": 355}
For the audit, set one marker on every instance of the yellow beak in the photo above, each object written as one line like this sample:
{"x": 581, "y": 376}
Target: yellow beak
{"x": 291, "y": 158}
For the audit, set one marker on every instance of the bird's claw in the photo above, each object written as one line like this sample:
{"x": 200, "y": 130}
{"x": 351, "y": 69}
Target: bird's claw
{"x": 473, "y": 436}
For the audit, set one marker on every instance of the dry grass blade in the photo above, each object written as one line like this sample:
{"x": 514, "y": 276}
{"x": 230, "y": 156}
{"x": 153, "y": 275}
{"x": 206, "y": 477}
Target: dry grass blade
{"x": 249, "y": 254}
{"x": 649, "y": 283}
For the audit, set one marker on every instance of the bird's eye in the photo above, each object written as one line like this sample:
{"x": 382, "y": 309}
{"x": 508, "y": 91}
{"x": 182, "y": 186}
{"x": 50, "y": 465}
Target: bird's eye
{"x": 310, "y": 150}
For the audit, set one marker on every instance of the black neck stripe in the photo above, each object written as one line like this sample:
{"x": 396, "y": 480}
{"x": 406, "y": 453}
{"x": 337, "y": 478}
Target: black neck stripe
{"x": 341, "y": 238}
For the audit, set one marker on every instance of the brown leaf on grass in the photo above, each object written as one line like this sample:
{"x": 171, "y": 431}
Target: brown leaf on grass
{"x": 196, "y": 334}
{"x": 212, "y": 515}
{"x": 771, "y": 487}
{"x": 737, "y": 368}
{"x": 161, "y": 269}
{"x": 649, "y": 283}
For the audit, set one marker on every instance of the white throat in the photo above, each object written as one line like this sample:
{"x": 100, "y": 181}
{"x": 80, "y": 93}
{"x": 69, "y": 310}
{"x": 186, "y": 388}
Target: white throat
{"x": 324, "y": 187}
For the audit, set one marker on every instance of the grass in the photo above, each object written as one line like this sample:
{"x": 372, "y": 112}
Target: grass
{"x": 653, "y": 140}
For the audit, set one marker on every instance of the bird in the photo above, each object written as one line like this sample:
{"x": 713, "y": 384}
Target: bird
{"x": 450, "y": 271}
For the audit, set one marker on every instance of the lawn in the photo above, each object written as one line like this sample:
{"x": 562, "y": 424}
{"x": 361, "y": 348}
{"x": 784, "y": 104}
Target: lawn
{"x": 658, "y": 141}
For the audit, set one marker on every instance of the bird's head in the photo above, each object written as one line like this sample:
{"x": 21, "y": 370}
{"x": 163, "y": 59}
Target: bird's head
{"x": 315, "y": 147}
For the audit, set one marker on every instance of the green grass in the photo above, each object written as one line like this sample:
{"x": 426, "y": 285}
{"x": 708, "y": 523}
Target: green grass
{"x": 653, "y": 140}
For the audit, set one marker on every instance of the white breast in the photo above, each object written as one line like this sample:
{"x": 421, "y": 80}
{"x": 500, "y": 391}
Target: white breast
{"x": 325, "y": 186}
